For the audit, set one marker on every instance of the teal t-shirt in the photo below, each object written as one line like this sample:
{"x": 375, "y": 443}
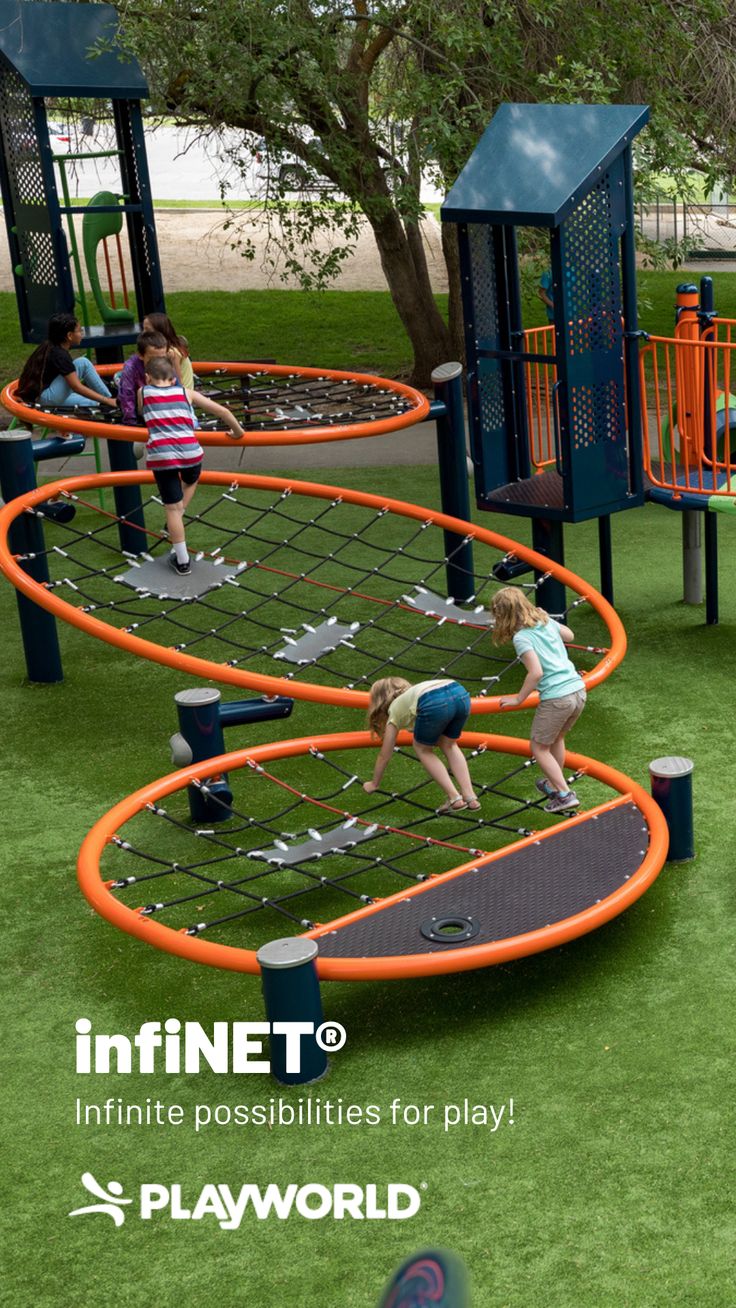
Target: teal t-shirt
{"x": 559, "y": 676}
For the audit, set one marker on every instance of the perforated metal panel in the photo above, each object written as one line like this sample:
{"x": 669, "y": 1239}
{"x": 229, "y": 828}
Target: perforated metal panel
{"x": 485, "y": 294}
{"x": 591, "y": 397}
{"x": 36, "y": 254}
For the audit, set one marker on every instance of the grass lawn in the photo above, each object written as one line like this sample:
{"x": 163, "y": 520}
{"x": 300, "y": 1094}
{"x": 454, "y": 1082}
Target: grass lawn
{"x": 335, "y": 329}
{"x": 613, "y": 1187}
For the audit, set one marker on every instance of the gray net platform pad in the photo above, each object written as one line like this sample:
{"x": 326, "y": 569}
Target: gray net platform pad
{"x": 427, "y": 602}
{"x": 319, "y": 843}
{"x": 157, "y": 577}
{"x": 316, "y": 641}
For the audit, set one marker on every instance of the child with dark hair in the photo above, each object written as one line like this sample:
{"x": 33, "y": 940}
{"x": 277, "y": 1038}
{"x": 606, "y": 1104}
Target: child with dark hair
{"x": 51, "y": 376}
{"x": 173, "y": 453}
{"x": 148, "y": 346}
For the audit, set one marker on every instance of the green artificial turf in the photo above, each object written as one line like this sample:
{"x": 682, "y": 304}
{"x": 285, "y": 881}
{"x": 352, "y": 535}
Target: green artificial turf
{"x": 336, "y": 329}
{"x": 612, "y": 1188}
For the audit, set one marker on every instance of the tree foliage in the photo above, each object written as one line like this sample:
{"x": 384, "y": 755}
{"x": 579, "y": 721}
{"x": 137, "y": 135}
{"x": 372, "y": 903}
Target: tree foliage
{"x": 373, "y": 96}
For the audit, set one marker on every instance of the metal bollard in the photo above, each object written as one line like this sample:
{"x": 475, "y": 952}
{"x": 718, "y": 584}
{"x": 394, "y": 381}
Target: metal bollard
{"x": 291, "y": 993}
{"x": 672, "y": 788}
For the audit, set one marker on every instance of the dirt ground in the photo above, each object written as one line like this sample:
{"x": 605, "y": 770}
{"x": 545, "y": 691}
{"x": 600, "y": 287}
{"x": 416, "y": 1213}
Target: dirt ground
{"x": 196, "y": 255}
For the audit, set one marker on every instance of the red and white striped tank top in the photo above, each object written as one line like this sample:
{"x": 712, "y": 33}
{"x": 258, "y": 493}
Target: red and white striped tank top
{"x": 172, "y": 442}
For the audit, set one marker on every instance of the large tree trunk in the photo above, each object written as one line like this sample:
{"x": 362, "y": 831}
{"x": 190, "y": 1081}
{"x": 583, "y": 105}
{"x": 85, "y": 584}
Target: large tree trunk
{"x": 455, "y": 315}
{"x": 405, "y": 267}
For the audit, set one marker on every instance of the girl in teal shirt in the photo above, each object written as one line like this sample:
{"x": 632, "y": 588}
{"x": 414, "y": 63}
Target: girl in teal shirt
{"x": 539, "y": 642}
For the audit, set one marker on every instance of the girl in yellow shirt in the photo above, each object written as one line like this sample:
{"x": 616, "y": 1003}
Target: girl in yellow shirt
{"x": 435, "y": 712}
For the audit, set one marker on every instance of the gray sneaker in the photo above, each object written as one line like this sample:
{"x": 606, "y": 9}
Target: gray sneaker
{"x": 562, "y": 803}
{"x": 545, "y": 788}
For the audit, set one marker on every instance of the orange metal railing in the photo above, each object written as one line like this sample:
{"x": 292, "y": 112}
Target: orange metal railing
{"x": 688, "y": 407}
{"x": 540, "y": 397}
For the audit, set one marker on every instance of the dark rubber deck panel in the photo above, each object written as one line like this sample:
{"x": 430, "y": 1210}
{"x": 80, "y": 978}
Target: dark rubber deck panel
{"x": 529, "y": 888}
{"x": 543, "y": 491}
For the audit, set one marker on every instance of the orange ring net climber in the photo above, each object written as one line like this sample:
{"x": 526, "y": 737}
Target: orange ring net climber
{"x": 386, "y": 886}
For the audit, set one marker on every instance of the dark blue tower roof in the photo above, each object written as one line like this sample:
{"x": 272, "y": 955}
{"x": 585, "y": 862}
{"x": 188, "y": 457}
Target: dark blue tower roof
{"x": 53, "y": 48}
{"x": 535, "y": 162}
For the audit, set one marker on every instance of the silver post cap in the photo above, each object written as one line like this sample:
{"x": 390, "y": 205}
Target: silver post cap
{"x": 197, "y": 696}
{"x": 673, "y": 766}
{"x": 289, "y": 951}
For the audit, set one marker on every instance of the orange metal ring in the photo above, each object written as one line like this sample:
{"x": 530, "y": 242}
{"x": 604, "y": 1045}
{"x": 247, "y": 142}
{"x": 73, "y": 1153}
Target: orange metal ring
{"x": 361, "y": 969}
{"x": 417, "y": 412}
{"x": 269, "y": 685}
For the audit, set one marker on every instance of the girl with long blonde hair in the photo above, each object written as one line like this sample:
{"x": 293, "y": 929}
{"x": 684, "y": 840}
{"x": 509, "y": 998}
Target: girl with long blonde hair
{"x": 539, "y": 642}
{"x": 435, "y": 712}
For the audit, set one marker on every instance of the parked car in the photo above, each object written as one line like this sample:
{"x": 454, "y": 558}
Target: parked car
{"x": 60, "y": 136}
{"x": 288, "y": 172}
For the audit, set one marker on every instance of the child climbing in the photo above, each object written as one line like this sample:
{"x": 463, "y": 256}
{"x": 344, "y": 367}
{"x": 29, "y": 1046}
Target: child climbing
{"x": 436, "y": 712}
{"x": 540, "y": 642}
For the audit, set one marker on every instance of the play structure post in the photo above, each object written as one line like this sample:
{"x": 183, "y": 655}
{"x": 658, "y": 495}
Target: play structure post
{"x": 453, "y": 467}
{"x": 706, "y": 316}
{"x": 692, "y": 561}
{"x": 202, "y": 717}
{"x": 291, "y": 994}
{"x": 548, "y": 538}
{"x": 38, "y": 627}
{"x": 128, "y": 502}
{"x": 672, "y": 788}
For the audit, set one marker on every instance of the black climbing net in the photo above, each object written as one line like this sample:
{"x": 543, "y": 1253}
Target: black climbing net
{"x": 267, "y": 402}
{"x": 302, "y": 843}
{"x": 300, "y": 588}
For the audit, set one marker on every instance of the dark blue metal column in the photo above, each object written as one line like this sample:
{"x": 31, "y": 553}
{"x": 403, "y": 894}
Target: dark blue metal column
{"x": 202, "y": 718}
{"x": 672, "y": 787}
{"x": 453, "y": 469}
{"x": 291, "y": 993}
{"x": 38, "y": 627}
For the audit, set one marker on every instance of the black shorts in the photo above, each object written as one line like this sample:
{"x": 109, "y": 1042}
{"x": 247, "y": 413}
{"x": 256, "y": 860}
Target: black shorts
{"x": 170, "y": 480}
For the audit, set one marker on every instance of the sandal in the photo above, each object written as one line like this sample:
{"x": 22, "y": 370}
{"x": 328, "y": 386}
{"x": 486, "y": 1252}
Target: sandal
{"x": 473, "y": 804}
{"x": 452, "y": 806}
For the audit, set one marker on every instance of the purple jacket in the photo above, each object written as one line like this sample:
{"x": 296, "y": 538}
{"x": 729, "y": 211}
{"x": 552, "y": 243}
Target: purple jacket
{"x": 132, "y": 378}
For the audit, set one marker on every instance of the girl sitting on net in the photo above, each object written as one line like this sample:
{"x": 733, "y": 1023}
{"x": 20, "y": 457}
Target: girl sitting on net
{"x": 436, "y": 712}
{"x": 51, "y": 376}
{"x": 539, "y": 642}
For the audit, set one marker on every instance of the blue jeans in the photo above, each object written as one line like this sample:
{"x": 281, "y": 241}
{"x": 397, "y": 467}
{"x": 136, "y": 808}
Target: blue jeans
{"x": 60, "y": 392}
{"x": 441, "y": 712}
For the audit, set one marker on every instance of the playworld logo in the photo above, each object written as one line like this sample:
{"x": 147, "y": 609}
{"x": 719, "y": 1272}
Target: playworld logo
{"x": 395, "y": 1202}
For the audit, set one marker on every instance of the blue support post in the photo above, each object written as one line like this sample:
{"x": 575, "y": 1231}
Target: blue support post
{"x": 548, "y": 539}
{"x": 672, "y": 788}
{"x": 202, "y": 718}
{"x": 291, "y": 994}
{"x": 128, "y": 502}
{"x": 711, "y": 566}
{"x": 453, "y": 468}
{"x": 38, "y": 627}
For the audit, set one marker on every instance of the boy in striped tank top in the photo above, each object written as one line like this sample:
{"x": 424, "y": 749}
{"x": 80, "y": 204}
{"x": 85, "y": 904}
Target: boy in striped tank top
{"x": 173, "y": 453}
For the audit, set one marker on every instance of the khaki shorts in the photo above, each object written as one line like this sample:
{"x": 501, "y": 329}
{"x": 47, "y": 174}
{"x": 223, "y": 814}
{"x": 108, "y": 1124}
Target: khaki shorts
{"x": 554, "y": 717}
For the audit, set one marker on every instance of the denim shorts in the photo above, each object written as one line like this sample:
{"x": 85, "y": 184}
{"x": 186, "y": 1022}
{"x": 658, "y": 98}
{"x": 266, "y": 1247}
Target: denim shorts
{"x": 441, "y": 712}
